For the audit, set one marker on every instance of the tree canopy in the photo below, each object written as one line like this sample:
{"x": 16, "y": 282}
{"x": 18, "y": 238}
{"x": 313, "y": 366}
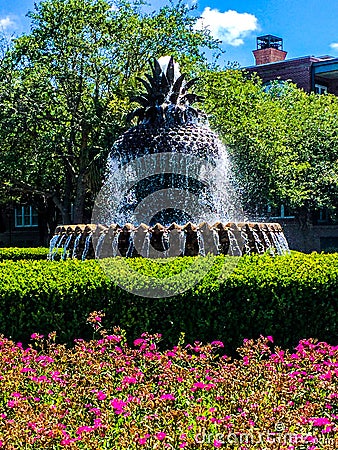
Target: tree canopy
{"x": 284, "y": 142}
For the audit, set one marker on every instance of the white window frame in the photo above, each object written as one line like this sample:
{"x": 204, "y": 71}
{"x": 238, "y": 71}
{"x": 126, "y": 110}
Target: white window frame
{"x": 20, "y": 212}
{"x": 323, "y": 215}
{"x": 320, "y": 89}
{"x": 282, "y": 213}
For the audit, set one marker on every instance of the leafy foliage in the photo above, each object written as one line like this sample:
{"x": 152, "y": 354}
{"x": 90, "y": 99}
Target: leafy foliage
{"x": 17, "y": 254}
{"x": 284, "y": 141}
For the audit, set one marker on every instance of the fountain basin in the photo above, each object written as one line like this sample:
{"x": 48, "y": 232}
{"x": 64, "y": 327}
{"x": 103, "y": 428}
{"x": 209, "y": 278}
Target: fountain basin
{"x": 88, "y": 241}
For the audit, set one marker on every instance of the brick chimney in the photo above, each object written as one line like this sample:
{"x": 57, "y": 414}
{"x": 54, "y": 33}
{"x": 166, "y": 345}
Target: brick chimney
{"x": 269, "y": 50}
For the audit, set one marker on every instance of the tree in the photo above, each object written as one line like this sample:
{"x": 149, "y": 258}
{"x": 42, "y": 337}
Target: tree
{"x": 283, "y": 141}
{"x": 65, "y": 89}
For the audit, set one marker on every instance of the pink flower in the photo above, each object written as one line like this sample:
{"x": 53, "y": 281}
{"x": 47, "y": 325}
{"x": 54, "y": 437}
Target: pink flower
{"x": 84, "y": 429}
{"x": 101, "y": 395}
{"x": 143, "y": 440}
{"x": 167, "y": 397}
{"x": 217, "y": 443}
{"x": 112, "y": 337}
{"x": 160, "y": 436}
{"x": 27, "y": 369}
{"x": 217, "y": 344}
{"x": 11, "y": 403}
{"x": 201, "y": 385}
{"x": 36, "y": 336}
{"x": 320, "y": 421}
{"x": 270, "y": 338}
{"x": 129, "y": 380}
{"x": 16, "y": 394}
{"x": 118, "y": 405}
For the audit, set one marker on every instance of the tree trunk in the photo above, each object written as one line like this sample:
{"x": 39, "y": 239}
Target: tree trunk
{"x": 304, "y": 217}
{"x": 79, "y": 201}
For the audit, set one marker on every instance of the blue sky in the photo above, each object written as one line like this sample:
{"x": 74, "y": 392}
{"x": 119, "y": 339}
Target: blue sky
{"x": 308, "y": 27}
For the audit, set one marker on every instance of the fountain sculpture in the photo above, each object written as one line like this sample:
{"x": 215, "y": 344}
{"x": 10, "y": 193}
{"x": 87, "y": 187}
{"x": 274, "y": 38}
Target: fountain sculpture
{"x": 170, "y": 151}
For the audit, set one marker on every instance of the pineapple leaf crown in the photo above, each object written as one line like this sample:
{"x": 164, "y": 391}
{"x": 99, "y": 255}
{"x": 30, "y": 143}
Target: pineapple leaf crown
{"x": 166, "y": 99}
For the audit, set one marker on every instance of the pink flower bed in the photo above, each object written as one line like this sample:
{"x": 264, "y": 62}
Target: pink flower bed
{"x": 104, "y": 394}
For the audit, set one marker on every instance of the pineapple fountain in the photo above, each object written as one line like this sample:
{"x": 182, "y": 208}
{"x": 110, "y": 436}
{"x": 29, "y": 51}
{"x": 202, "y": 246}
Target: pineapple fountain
{"x": 169, "y": 189}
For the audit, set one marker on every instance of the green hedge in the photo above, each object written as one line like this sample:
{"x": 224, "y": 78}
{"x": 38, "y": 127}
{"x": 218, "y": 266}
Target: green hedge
{"x": 16, "y": 253}
{"x": 289, "y": 297}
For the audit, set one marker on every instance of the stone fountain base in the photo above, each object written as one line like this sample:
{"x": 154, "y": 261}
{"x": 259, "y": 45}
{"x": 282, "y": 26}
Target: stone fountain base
{"x": 99, "y": 241}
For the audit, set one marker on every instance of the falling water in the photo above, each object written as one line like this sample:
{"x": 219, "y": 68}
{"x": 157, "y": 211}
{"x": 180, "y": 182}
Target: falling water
{"x": 276, "y": 244}
{"x": 202, "y": 189}
{"x": 266, "y": 241}
{"x": 115, "y": 243}
{"x": 65, "y": 247}
{"x": 146, "y": 245}
{"x": 200, "y": 239}
{"x": 86, "y": 248}
{"x": 99, "y": 245}
{"x": 131, "y": 245}
{"x": 76, "y": 245}
{"x": 258, "y": 244}
{"x": 57, "y": 246}
{"x": 182, "y": 241}
{"x": 165, "y": 243}
{"x": 234, "y": 249}
{"x": 52, "y": 246}
{"x": 283, "y": 243}
{"x": 215, "y": 236}
{"x": 246, "y": 248}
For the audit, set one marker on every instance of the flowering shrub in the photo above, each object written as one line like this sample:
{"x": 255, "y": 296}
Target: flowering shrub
{"x": 105, "y": 394}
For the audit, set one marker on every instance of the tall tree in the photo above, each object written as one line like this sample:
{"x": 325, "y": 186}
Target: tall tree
{"x": 65, "y": 88}
{"x": 283, "y": 141}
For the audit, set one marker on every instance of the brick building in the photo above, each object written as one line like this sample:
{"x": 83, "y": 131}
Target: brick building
{"x": 312, "y": 73}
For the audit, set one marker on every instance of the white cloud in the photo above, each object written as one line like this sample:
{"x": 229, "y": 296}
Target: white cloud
{"x": 334, "y": 46}
{"x": 6, "y": 22}
{"x": 231, "y": 27}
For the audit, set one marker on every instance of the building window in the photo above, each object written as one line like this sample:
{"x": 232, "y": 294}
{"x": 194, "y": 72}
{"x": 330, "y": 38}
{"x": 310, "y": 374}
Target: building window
{"x": 26, "y": 216}
{"x": 323, "y": 215}
{"x": 280, "y": 212}
{"x": 320, "y": 89}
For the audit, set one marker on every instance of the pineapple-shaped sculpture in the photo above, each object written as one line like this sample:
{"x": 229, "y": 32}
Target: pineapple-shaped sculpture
{"x": 167, "y": 122}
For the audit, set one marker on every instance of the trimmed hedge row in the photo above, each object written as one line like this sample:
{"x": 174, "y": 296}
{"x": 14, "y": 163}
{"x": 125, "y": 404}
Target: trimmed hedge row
{"x": 289, "y": 297}
{"x": 17, "y": 254}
